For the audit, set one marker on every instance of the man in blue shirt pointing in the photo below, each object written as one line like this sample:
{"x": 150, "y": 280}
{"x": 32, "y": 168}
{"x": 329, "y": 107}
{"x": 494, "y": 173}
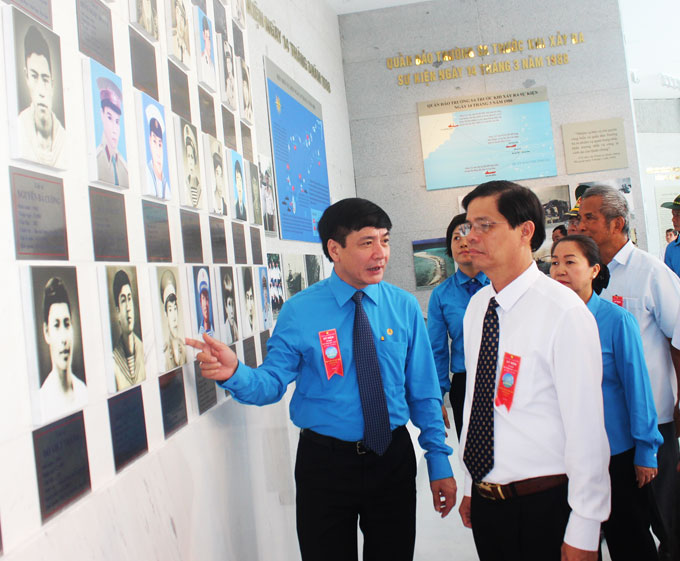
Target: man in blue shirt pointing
{"x": 358, "y": 352}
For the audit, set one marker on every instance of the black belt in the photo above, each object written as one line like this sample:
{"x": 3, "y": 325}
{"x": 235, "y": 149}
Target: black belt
{"x": 496, "y": 491}
{"x": 337, "y": 444}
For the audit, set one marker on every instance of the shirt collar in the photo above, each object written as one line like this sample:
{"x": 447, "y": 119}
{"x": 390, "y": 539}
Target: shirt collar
{"x": 594, "y": 303}
{"x": 623, "y": 254}
{"x": 507, "y": 297}
{"x": 343, "y": 291}
{"x": 462, "y": 278}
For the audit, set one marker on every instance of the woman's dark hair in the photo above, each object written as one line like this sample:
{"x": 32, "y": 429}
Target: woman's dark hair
{"x": 592, "y": 253}
{"x": 350, "y": 215}
{"x": 457, "y": 221}
{"x": 517, "y": 204}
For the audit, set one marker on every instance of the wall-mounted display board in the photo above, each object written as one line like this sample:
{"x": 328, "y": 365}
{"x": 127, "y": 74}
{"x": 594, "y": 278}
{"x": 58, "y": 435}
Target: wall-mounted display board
{"x": 249, "y": 352}
{"x": 179, "y": 92}
{"x": 143, "y": 60}
{"x": 156, "y": 232}
{"x": 473, "y": 139}
{"x": 173, "y": 401}
{"x": 95, "y": 32}
{"x": 128, "y": 427}
{"x": 191, "y": 236}
{"x": 299, "y": 149}
{"x": 39, "y": 215}
{"x": 218, "y": 240}
{"x": 35, "y": 91}
{"x": 264, "y": 337}
{"x": 206, "y": 390}
{"x": 594, "y": 146}
{"x": 313, "y": 268}
{"x": 109, "y": 225}
{"x": 61, "y": 463}
{"x": 38, "y": 9}
{"x": 431, "y": 264}
{"x": 238, "y": 236}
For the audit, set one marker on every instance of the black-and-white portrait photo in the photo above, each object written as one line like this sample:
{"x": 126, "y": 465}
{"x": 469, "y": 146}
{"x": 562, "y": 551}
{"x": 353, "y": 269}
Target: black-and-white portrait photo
{"x": 145, "y": 15}
{"x": 59, "y": 344}
{"x": 247, "y": 290}
{"x": 246, "y": 94}
{"x": 126, "y": 329}
{"x": 171, "y": 318}
{"x": 179, "y": 43}
{"x": 40, "y": 99}
{"x": 313, "y": 268}
{"x": 267, "y": 196}
{"x": 192, "y": 191}
{"x": 294, "y": 274}
{"x": 215, "y": 170}
{"x": 254, "y": 191}
{"x": 229, "y": 313}
{"x": 227, "y": 73}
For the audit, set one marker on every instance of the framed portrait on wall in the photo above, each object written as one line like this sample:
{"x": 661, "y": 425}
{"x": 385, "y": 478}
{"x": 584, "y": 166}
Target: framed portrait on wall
{"x": 126, "y": 348}
{"x": 246, "y": 98}
{"x": 57, "y": 382}
{"x": 144, "y": 17}
{"x": 227, "y": 72}
{"x": 179, "y": 43}
{"x": 228, "y": 305}
{"x": 155, "y": 169}
{"x": 189, "y": 166}
{"x": 107, "y": 148}
{"x": 214, "y": 172}
{"x": 239, "y": 186}
{"x": 35, "y": 91}
{"x": 204, "y": 317}
{"x": 294, "y": 274}
{"x": 205, "y": 51}
{"x": 254, "y": 193}
{"x": 249, "y": 325}
{"x": 276, "y": 291}
{"x": 238, "y": 12}
{"x": 268, "y": 197}
{"x": 265, "y": 298}
{"x": 169, "y": 317}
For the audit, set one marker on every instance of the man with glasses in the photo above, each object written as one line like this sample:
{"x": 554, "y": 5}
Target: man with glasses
{"x": 533, "y": 447}
{"x": 672, "y": 256}
{"x": 651, "y": 292}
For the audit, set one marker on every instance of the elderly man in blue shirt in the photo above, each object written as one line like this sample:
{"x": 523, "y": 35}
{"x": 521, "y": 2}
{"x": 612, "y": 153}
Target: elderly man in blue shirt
{"x": 358, "y": 351}
{"x": 445, "y": 312}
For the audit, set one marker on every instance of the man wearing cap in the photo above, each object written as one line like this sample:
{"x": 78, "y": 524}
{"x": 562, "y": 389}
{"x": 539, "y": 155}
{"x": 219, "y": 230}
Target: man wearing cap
{"x": 672, "y": 256}
{"x": 205, "y": 323}
{"x": 643, "y": 285}
{"x": 42, "y": 137}
{"x": 157, "y": 184}
{"x": 572, "y": 215}
{"x": 174, "y": 349}
{"x": 193, "y": 180}
{"x": 111, "y": 166}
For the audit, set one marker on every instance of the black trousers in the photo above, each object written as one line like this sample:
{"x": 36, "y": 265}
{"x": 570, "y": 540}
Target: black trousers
{"x": 528, "y": 528}
{"x": 627, "y": 530}
{"x": 457, "y": 398}
{"x": 336, "y": 487}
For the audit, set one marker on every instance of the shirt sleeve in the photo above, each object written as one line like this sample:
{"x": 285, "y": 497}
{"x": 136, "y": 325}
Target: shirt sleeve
{"x": 268, "y": 383}
{"x": 439, "y": 340}
{"x": 665, "y": 302}
{"x": 579, "y": 395}
{"x": 632, "y": 371}
{"x": 424, "y": 401}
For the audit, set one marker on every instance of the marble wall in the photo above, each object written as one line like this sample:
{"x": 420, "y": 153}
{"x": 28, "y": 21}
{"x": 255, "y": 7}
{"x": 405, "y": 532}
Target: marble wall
{"x": 384, "y": 119}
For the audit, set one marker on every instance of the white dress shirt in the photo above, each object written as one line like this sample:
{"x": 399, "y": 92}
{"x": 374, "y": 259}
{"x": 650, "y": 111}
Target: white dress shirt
{"x": 556, "y": 422}
{"x": 651, "y": 292}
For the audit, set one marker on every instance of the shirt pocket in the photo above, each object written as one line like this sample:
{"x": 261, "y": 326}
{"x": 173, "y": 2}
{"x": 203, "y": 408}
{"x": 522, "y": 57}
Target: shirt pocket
{"x": 392, "y": 358}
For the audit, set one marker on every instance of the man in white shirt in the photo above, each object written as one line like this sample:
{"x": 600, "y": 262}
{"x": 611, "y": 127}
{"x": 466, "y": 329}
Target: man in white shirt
{"x": 642, "y": 284}
{"x": 545, "y": 490}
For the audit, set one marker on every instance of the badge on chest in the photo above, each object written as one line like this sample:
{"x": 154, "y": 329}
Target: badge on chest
{"x": 330, "y": 349}
{"x": 508, "y": 380}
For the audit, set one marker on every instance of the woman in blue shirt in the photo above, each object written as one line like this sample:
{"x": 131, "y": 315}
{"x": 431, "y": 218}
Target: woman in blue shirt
{"x": 445, "y": 312}
{"x": 629, "y": 412}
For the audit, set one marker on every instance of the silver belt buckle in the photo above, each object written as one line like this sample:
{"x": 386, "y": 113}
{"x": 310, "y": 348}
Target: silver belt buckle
{"x": 361, "y": 449}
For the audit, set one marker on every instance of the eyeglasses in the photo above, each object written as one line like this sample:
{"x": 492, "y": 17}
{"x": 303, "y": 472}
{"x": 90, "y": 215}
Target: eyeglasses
{"x": 481, "y": 227}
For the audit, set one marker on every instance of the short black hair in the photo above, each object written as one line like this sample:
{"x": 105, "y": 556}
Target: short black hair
{"x": 119, "y": 281}
{"x": 561, "y": 228}
{"x": 248, "y": 281}
{"x": 54, "y": 293}
{"x": 155, "y": 128}
{"x": 35, "y": 43}
{"x": 592, "y": 254}
{"x": 350, "y": 215}
{"x": 457, "y": 221}
{"x": 206, "y": 25}
{"x": 516, "y": 203}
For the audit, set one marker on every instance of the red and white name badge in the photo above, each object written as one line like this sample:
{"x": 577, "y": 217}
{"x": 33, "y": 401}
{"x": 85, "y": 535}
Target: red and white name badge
{"x": 508, "y": 380}
{"x": 330, "y": 349}
{"x": 618, "y": 300}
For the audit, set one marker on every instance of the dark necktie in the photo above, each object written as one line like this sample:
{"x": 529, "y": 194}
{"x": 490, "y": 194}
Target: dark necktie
{"x": 473, "y": 285}
{"x": 377, "y": 434}
{"x": 478, "y": 455}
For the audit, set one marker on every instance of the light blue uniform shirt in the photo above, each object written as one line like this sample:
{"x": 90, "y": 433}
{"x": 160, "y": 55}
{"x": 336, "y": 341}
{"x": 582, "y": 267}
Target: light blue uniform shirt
{"x": 445, "y": 312}
{"x": 672, "y": 256}
{"x": 332, "y": 406}
{"x": 629, "y": 413}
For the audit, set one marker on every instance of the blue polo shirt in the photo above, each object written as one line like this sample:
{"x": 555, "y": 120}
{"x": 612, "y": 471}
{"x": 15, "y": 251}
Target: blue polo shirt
{"x": 445, "y": 312}
{"x": 672, "y": 256}
{"x": 332, "y": 406}
{"x": 629, "y": 413}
